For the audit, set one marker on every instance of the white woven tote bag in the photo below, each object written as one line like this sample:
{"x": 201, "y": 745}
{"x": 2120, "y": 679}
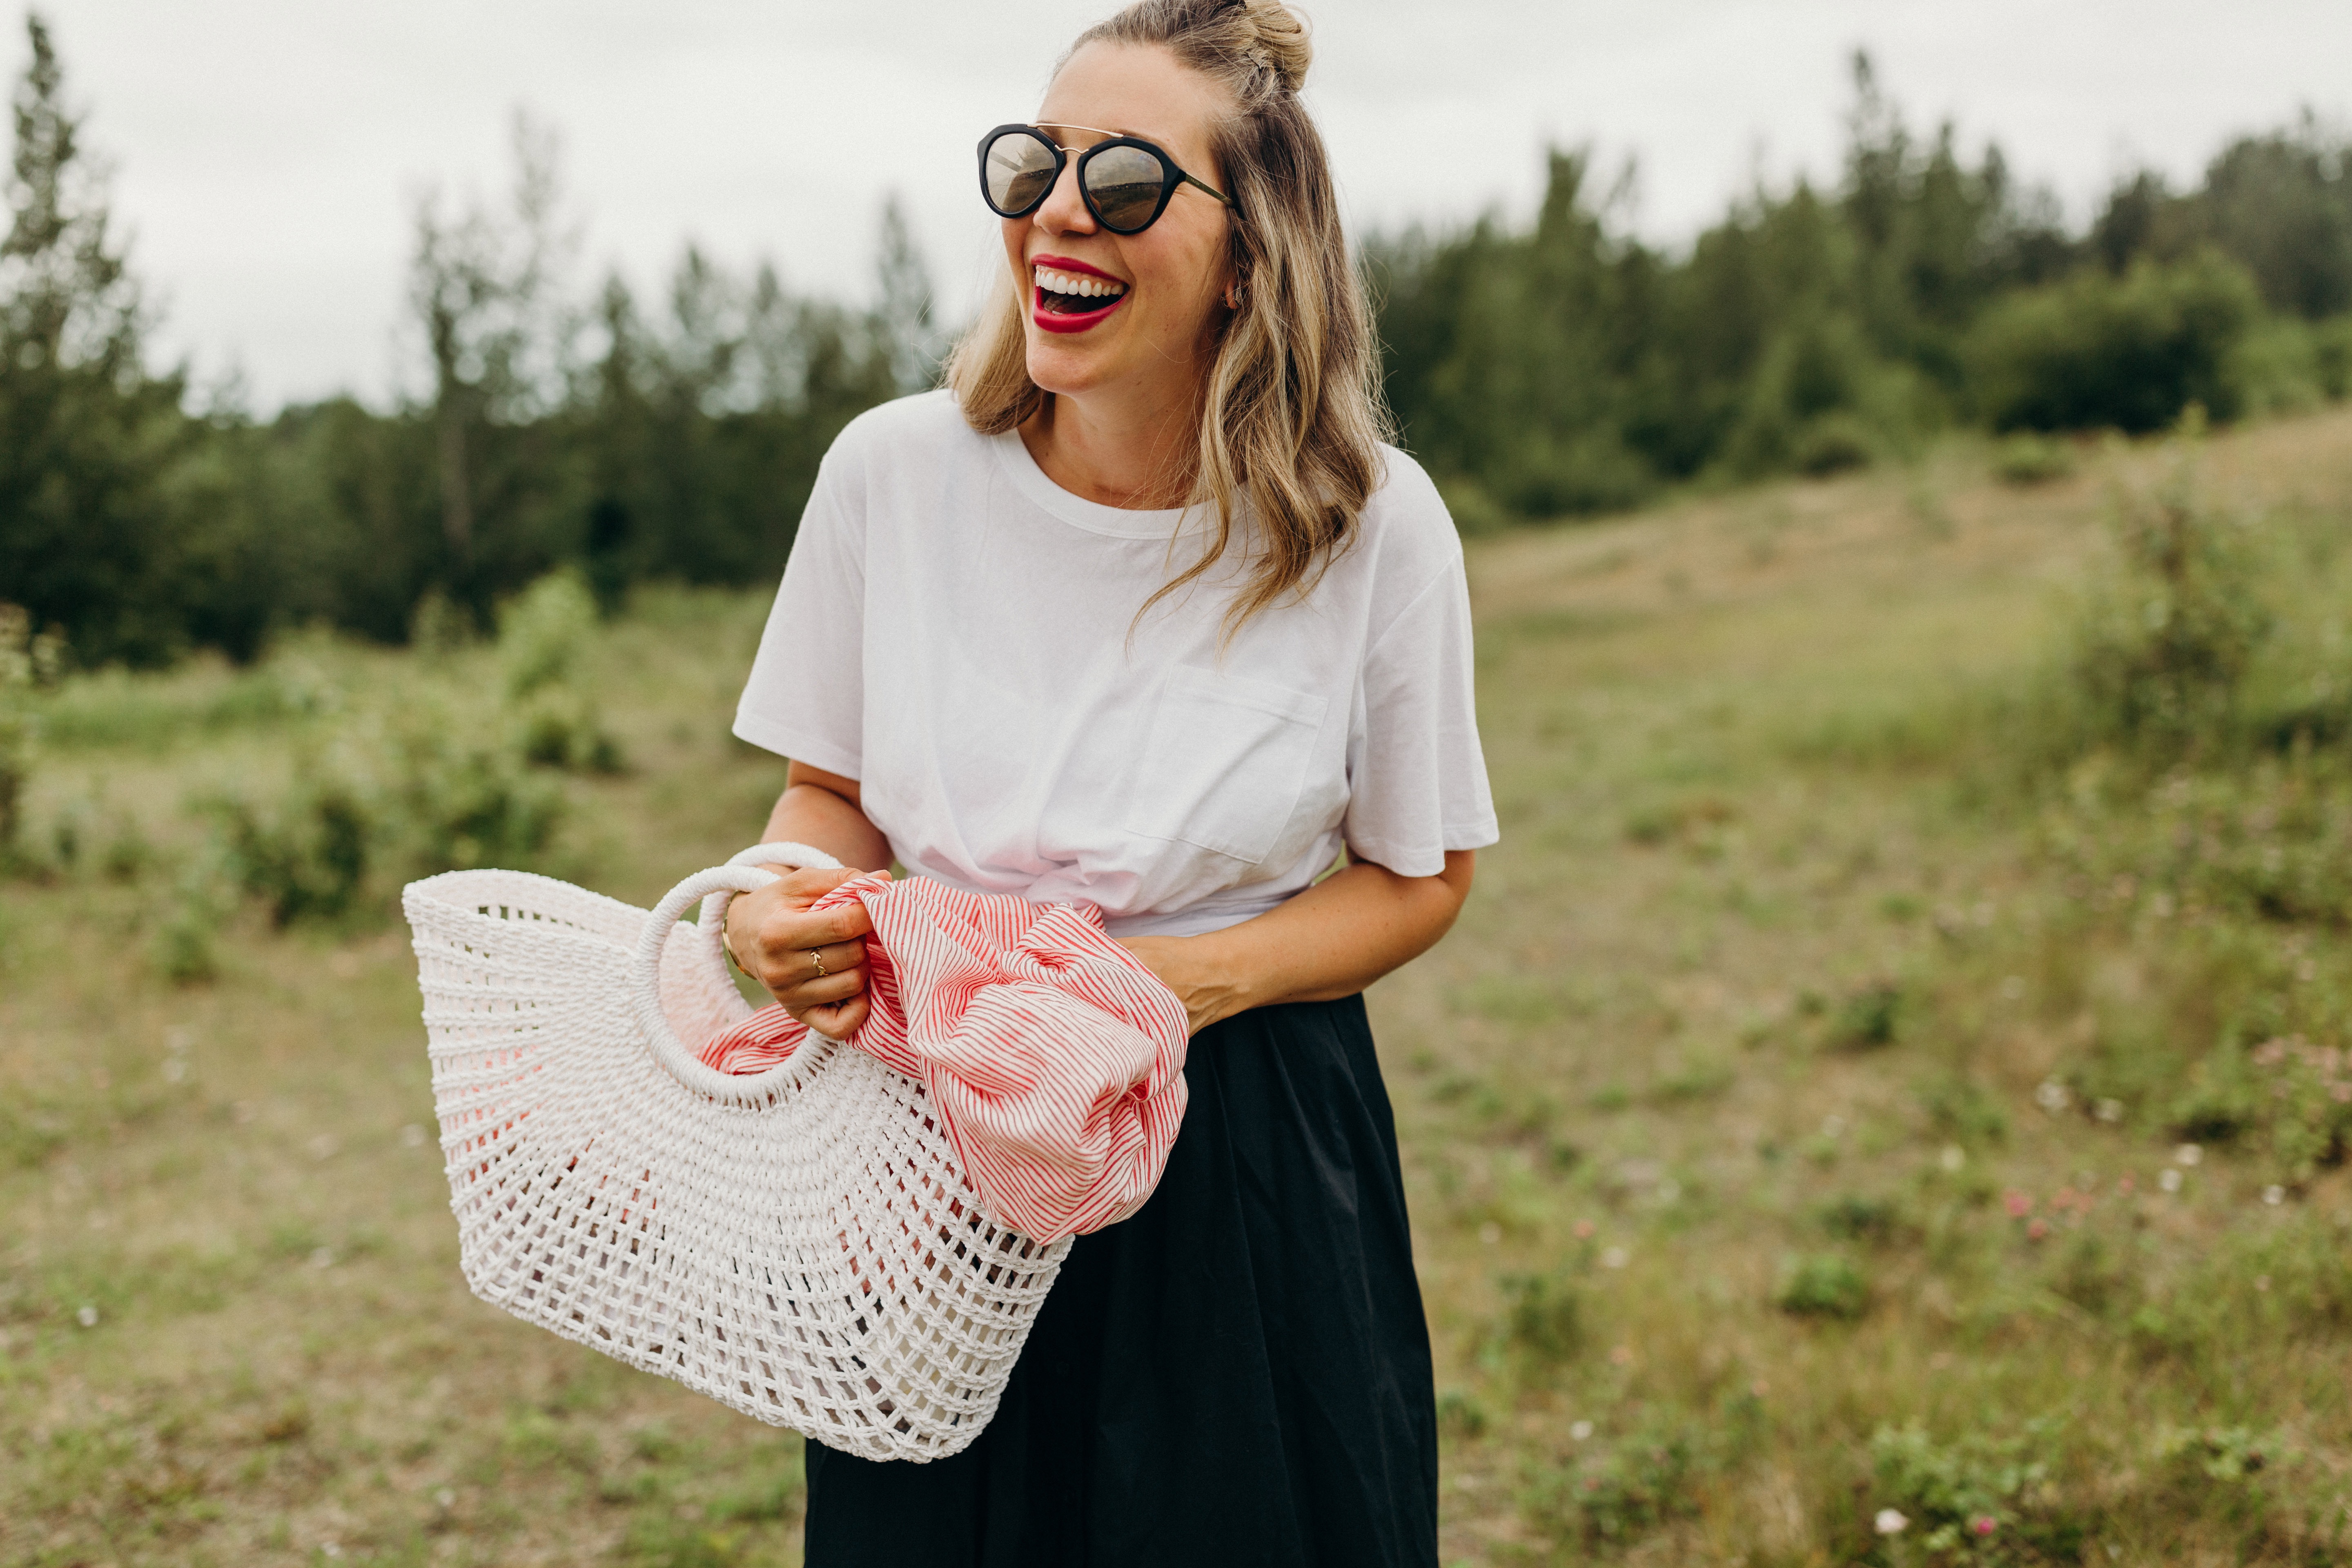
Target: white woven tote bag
{"x": 800, "y": 1245}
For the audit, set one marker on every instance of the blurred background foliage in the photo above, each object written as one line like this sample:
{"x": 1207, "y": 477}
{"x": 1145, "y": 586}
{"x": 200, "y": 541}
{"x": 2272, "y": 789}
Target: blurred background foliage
{"x": 1562, "y": 369}
{"x": 628, "y": 438}
{"x": 1573, "y": 368}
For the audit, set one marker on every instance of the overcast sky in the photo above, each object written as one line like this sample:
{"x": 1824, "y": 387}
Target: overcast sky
{"x": 269, "y": 152}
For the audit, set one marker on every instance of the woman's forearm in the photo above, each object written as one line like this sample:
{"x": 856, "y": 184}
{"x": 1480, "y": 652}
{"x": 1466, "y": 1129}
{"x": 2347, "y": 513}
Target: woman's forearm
{"x": 824, "y": 811}
{"x": 1331, "y": 940}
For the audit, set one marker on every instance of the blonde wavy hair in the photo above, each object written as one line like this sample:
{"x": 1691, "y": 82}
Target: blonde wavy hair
{"x": 1291, "y": 414}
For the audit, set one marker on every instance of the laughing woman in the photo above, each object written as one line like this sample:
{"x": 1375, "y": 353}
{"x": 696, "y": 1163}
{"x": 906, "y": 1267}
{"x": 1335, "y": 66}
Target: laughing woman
{"x": 1141, "y": 611}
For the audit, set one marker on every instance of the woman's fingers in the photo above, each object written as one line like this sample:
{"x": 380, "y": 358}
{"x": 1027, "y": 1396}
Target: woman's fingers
{"x": 811, "y": 960}
{"x": 838, "y": 1021}
{"x": 789, "y": 969}
{"x": 777, "y": 919}
{"x": 817, "y": 991}
{"x": 836, "y": 958}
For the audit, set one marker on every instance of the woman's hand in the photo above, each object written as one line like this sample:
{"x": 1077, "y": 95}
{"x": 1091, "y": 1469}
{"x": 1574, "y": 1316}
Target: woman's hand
{"x": 1330, "y": 940}
{"x": 1206, "y": 990}
{"x": 812, "y": 962}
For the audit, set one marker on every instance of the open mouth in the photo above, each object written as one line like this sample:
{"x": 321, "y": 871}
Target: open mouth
{"x": 1071, "y": 301}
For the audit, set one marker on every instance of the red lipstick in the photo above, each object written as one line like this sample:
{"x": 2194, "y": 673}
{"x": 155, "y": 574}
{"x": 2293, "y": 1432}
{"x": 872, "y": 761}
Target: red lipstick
{"x": 1071, "y": 321}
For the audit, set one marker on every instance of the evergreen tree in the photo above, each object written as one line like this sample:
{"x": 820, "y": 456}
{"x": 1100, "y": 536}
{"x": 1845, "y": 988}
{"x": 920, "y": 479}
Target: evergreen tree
{"x": 485, "y": 295}
{"x": 86, "y": 436}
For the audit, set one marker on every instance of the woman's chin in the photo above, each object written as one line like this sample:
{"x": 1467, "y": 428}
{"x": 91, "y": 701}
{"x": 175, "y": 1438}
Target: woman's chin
{"x": 1065, "y": 368}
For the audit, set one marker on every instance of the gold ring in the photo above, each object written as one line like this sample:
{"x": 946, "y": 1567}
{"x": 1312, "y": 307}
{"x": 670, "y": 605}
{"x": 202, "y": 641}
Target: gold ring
{"x": 821, "y": 970}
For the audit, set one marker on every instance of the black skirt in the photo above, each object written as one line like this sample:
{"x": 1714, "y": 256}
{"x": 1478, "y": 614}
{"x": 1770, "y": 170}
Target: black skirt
{"x": 1237, "y": 1375}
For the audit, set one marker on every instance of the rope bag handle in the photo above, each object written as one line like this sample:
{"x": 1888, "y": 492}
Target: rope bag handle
{"x": 716, "y": 889}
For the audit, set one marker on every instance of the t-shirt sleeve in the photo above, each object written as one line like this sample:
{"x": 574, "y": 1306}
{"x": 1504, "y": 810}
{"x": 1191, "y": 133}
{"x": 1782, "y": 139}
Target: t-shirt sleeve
{"x": 1416, "y": 774}
{"x": 807, "y": 695}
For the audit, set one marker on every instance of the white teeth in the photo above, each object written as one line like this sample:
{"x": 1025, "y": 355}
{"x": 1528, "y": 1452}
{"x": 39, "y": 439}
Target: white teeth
{"x": 1054, "y": 282}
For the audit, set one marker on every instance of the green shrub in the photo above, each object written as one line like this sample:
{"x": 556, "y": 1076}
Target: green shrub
{"x": 2228, "y": 1471}
{"x": 1476, "y": 514}
{"x": 2130, "y": 353}
{"x": 1544, "y": 475}
{"x": 1543, "y": 1316}
{"x": 2331, "y": 358}
{"x": 27, "y": 662}
{"x": 203, "y": 897}
{"x": 2306, "y": 1099}
{"x": 1461, "y": 1414}
{"x": 1822, "y": 401}
{"x": 1975, "y": 1499}
{"x": 462, "y": 803}
{"x": 1609, "y": 1493}
{"x": 305, "y": 856}
{"x": 1867, "y": 1017}
{"x": 542, "y": 632}
{"x": 1825, "y": 1285}
{"x": 2023, "y": 459}
{"x": 1960, "y": 1109}
{"x": 1855, "y": 1217}
{"x": 2164, "y": 648}
{"x": 2095, "y": 1273}
{"x": 560, "y": 729}
{"x": 1833, "y": 444}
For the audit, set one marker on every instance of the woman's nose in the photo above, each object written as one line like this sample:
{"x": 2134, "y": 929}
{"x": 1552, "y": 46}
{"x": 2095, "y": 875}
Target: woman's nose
{"x": 1065, "y": 211}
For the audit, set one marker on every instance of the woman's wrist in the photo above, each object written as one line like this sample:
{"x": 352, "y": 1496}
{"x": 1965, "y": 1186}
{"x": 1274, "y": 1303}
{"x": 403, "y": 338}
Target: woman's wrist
{"x": 1212, "y": 975}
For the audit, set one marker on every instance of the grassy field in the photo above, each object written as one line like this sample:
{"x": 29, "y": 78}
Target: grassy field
{"x": 1847, "y": 1125}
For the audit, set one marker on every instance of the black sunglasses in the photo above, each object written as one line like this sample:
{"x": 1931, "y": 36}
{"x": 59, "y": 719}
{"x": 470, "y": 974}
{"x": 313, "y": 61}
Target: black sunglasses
{"x": 1126, "y": 182}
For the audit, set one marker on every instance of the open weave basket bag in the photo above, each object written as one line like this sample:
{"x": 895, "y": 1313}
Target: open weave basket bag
{"x": 800, "y": 1244}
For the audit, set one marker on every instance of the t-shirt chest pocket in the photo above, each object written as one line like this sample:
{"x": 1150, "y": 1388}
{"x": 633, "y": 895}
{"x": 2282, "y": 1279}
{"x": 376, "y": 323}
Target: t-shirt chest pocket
{"x": 1224, "y": 763}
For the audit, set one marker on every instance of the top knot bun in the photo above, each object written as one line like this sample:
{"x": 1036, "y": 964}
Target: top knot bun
{"x": 1258, "y": 48}
{"x": 1282, "y": 43}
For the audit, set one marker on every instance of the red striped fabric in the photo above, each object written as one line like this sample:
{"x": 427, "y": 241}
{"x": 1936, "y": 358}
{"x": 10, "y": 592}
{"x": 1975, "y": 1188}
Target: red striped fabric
{"x": 1056, "y": 1059}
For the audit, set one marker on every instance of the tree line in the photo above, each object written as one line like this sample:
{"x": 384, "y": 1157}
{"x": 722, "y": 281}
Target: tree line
{"x": 629, "y": 439}
{"x": 1568, "y": 367}
{"x": 1561, "y": 367}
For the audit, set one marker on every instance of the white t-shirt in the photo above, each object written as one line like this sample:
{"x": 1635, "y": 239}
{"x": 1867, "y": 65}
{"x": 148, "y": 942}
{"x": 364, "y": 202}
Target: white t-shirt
{"x": 960, "y": 635}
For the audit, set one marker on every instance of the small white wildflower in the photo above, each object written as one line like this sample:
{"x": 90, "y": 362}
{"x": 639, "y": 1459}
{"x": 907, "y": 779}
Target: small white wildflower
{"x": 445, "y": 1498}
{"x": 2013, "y": 987}
{"x": 1890, "y": 1522}
{"x": 322, "y": 1258}
{"x": 2187, "y": 1155}
{"x": 1581, "y": 1431}
{"x": 1952, "y": 1158}
{"x": 1490, "y": 1233}
{"x": 176, "y": 1068}
{"x": 413, "y": 1136}
{"x": 2274, "y": 1195}
{"x": 2053, "y": 1096}
{"x": 2169, "y": 1181}
{"x": 2109, "y": 1111}
{"x": 1615, "y": 1258}
{"x": 87, "y": 1317}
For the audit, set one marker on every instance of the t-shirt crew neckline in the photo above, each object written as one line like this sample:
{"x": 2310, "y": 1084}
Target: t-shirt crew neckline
{"x": 1035, "y": 484}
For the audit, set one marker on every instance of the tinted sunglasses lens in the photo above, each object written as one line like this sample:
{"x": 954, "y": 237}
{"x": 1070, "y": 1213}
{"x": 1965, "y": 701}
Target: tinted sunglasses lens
{"x": 1124, "y": 184}
{"x": 1017, "y": 171}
